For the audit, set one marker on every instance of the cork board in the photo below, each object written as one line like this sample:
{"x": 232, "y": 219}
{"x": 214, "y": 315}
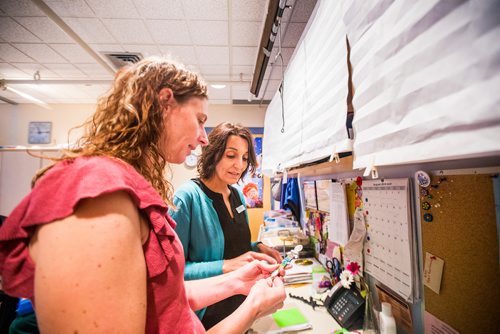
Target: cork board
{"x": 464, "y": 234}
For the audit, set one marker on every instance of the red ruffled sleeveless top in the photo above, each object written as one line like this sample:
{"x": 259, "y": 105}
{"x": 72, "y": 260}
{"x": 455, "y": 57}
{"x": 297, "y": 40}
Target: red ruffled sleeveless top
{"x": 55, "y": 196}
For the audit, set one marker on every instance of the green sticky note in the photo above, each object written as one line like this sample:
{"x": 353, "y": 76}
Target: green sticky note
{"x": 289, "y": 317}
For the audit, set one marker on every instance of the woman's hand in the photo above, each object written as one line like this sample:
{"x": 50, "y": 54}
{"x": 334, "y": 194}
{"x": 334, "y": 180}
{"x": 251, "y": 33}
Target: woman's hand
{"x": 264, "y": 249}
{"x": 266, "y": 296}
{"x": 248, "y": 275}
{"x": 240, "y": 261}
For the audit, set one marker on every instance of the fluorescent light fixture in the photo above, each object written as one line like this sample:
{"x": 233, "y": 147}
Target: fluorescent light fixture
{"x": 28, "y": 97}
{"x": 218, "y": 86}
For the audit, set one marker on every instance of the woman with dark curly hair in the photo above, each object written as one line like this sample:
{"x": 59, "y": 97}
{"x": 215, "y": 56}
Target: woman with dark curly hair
{"x": 212, "y": 220}
{"x": 93, "y": 246}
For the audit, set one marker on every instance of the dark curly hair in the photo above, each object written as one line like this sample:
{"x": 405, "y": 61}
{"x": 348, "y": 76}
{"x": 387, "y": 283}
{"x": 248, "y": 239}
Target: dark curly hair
{"x": 213, "y": 152}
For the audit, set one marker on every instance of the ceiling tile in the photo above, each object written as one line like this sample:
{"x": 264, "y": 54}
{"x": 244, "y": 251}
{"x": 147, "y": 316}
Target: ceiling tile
{"x": 216, "y": 79}
{"x": 90, "y": 30}
{"x": 205, "y": 9}
{"x": 73, "y": 8}
{"x": 20, "y": 8}
{"x": 128, "y": 31}
{"x": 219, "y": 94}
{"x": 183, "y": 54}
{"x": 210, "y": 70}
{"x": 30, "y": 69}
{"x": 254, "y": 10}
{"x": 160, "y": 9}
{"x": 94, "y": 70}
{"x": 10, "y": 72}
{"x": 73, "y": 53}
{"x": 245, "y": 70}
{"x": 246, "y": 33}
{"x": 12, "y": 31}
{"x": 209, "y": 32}
{"x": 169, "y": 32}
{"x": 123, "y": 9}
{"x": 241, "y": 92}
{"x": 145, "y": 50}
{"x": 212, "y": 55}
{"x": 243, "y": 55}
{"x": 65, "y": 70}
{"x": 68, "y": 90}
{"x": 107, "y": 47}
{"x": 45, "y": 29}
{"x": 197, "y": 33}
{"x": 11, "y": 54}
{"x": 41, "y": 53}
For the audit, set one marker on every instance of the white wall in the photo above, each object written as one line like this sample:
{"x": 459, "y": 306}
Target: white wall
{"x": 14, "y": 122}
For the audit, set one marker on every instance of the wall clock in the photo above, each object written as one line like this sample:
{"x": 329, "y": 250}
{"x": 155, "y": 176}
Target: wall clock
{"x": 39, "y": 132}
{"x": 191, "y": 160}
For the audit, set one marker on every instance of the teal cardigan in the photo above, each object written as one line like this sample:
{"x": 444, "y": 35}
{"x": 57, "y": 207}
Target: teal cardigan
{"x": 199, "y": 230}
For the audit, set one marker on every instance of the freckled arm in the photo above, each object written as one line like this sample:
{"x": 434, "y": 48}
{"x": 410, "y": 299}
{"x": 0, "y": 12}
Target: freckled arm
{"x": 90, "y": 270}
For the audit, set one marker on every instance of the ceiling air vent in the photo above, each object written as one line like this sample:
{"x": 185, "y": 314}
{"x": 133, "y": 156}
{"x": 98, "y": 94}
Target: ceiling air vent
{"x": 119, "y": 59}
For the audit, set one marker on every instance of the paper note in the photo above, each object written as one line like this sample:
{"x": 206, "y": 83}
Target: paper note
{"x": 433, "y": 272}
{"x": 433, "y": 325}
{"x": 323, "y": 194}
{"x": 353, "y": 250}
{"x": 289, "y": 317}
{"x": 338, "y": 227}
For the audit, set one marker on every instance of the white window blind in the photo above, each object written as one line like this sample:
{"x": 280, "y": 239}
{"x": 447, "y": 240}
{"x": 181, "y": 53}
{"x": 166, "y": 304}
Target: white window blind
{"x": 273, "y": 138}
{"x": 295, "y": 104}
{"x": 315, "y": 92}
{"x": 426, "y": 78}
{"x": 325, "y": 115}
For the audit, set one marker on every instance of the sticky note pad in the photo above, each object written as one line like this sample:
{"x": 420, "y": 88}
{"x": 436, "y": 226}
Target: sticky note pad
{"x": 289, "y": 317}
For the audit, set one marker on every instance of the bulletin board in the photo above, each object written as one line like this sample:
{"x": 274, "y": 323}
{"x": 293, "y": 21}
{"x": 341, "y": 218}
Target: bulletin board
{"x": 462, "y": 232}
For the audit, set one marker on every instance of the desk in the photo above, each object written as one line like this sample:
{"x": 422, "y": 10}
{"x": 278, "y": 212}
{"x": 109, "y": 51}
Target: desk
{"x": 321, "y": 320}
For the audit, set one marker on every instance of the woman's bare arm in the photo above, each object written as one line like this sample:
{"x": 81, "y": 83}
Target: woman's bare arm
{"x": 90, "y": 269}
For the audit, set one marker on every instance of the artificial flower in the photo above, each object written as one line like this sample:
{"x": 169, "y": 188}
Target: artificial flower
{"x": 353, "y": 267}
{"x": 346, "y": 279}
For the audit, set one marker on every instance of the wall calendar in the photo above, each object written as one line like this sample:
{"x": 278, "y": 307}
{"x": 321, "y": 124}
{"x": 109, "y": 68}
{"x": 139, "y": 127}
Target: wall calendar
{"x": 388, "y": 243}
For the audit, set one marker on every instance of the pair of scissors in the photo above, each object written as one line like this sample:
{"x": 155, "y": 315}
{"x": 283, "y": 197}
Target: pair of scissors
{"x": 334, "y": 267}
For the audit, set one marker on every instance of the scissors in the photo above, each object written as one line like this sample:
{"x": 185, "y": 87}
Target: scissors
{"x": 334, "y": 268}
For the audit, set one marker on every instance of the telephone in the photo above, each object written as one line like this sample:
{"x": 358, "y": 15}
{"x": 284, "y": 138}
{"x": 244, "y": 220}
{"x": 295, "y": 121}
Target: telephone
{"x": 346, "y": 306}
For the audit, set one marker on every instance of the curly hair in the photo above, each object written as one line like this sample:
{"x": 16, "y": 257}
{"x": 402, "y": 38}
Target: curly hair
{"x": 213, "y": 152}
{"x": 128, "y": 120}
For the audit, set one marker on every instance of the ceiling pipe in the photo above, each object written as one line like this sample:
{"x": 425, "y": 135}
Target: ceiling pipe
{"x": 57, "y": 20}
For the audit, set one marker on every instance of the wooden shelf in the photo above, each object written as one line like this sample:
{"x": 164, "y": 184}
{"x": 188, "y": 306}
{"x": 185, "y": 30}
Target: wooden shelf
{"x": 345, "y": 165}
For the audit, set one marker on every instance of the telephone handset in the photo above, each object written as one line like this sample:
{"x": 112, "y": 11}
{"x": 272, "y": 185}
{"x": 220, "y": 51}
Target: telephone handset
{"x": 346, "y": 306}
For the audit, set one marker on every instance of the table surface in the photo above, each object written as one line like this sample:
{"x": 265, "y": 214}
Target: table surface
{"x": 320, "y": 319}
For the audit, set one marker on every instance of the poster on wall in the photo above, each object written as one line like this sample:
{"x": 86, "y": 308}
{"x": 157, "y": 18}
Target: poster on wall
{"x": 253, "y": 183}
